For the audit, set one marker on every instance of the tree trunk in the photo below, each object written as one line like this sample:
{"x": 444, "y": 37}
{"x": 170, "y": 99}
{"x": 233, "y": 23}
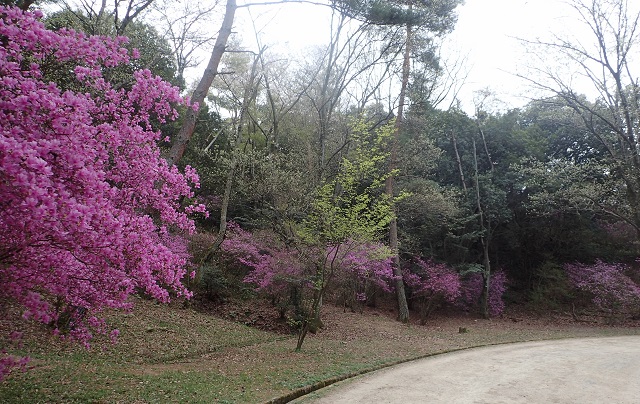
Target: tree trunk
{"x": 455, "y": 148}
{"x": 301, "y": 336}
{"x": 403, "y": 308}
{"x": 327, "y": 101}
{"x": 222, "y": 229}
{"x": 312, "y": 316}
{"x": 248, "y": 96}
{"x": 200, "y": 93}
{"x": 486, "y": 279}
{"x": 486, "y": 149}
{"x": 484, "y": 240}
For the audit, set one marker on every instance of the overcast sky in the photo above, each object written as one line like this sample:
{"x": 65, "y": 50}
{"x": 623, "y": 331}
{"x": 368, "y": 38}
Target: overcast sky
{"x": 486, "y": 33}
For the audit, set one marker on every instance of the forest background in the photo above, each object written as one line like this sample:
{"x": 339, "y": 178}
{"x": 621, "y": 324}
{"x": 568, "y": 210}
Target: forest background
{"x": 352, "y": 175}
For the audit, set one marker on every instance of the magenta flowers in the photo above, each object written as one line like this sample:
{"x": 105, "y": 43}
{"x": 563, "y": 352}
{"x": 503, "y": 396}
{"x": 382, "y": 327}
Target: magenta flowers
{"x": 89, "y": 211}
{"x": 432, "y": 283}
{"x": 608, "y": 285}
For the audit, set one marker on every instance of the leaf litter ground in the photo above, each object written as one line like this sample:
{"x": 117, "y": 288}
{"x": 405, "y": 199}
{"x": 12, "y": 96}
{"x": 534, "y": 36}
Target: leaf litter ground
{"x": 177, "y": 353}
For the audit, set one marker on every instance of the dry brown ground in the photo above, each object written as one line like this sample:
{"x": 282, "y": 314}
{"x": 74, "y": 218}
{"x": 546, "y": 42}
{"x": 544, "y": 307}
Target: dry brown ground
{"x": 177, "y": 354}
{"x": 351, "y": 343}
{"x": 370, "y": 324}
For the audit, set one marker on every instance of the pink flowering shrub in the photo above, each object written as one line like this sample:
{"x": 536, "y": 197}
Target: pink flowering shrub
{"x": 607, "y": 285}
{"x": 359, "y": 270}
{"x": 273, "y": 270}
{"x": 352, "y": 269}
{"x": 271, "y": 267}
{"x": 89, "y": 211}
{"x": 471, "y": 292}
{"x": 431, "y": 284}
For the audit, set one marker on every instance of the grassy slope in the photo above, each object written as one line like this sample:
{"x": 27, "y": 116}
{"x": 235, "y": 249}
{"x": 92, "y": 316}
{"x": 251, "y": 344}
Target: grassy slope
{"x": 170, "y": 354}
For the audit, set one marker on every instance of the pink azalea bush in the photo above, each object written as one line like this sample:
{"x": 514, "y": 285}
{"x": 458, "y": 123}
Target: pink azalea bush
{"x": 432, "y": 283}
{"x": 471, "y": 292}
{"x": 271, "y": 267}
{"x": 359, "y": 269}
{"x": 274, "y": 270}
{"x": 607, "y": 285}
{"x": 89, "y": 211}
{"x": 352, "y": 266}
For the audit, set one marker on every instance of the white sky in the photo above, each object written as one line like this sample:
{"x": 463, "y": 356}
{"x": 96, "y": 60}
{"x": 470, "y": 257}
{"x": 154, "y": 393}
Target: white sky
{"x": 486, "y": 33}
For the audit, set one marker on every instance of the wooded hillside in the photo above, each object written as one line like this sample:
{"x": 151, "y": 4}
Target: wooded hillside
{"x": 351, "y": 176}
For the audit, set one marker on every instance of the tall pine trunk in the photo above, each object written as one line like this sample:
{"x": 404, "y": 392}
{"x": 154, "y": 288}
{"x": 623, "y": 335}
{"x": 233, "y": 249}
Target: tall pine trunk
{"x": 403, "y": 308}
{"x": 484, "y": 240}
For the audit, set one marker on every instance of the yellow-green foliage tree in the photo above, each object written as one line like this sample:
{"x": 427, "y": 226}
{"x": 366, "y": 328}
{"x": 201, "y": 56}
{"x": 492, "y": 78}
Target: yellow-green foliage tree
{"x": 350, "y": 209}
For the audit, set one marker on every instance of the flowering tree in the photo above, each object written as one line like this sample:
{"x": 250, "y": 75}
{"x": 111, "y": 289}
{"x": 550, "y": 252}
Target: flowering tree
{"x": 338, "y": 238}
{"x": 471, "y": 292}
{"x": 89, "y": 211}
{"x": 432, "y": 284}
{"x": 609, "y": 288}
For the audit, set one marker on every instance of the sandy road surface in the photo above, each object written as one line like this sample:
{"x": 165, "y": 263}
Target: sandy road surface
{"x": 594, "y": 370}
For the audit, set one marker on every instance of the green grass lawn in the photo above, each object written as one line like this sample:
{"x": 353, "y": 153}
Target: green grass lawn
{"x": 172, "y": 354}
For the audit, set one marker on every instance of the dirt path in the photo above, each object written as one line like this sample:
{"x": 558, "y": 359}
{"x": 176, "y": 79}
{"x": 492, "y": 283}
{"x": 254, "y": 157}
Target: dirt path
{"x": 594, "y": 370}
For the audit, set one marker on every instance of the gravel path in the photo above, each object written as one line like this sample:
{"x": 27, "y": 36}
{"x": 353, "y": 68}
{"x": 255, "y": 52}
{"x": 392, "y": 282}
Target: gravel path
{"x": 594, "y": 370}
